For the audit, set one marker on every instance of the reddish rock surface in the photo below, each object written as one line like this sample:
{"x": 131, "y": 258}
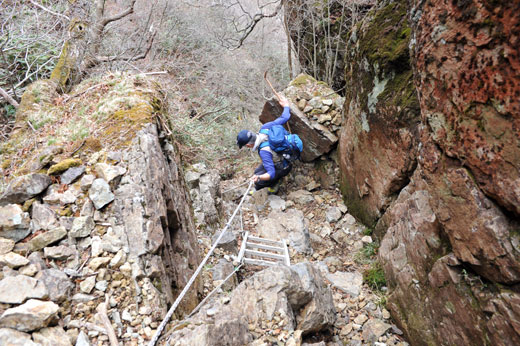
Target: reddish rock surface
{"x": 468, "y": 73}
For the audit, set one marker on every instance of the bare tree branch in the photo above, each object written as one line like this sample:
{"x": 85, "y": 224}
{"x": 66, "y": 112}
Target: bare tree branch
{"x": 118, "y": 16}
{"x": 9, "y": 99}
{"x": 47, "y": 10}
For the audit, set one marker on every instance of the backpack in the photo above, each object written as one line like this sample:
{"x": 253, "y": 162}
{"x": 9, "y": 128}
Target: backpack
{"x": 282, "y": 142}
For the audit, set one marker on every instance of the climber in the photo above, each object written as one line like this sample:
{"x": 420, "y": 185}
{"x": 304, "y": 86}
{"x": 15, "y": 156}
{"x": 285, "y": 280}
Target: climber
{"x": 272, "y": 139}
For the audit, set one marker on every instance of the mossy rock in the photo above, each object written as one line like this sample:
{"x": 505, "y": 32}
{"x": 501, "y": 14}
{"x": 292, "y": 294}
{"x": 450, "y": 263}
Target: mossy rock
{"x": 302, "y": 79}
{"x": 63, "y": 166}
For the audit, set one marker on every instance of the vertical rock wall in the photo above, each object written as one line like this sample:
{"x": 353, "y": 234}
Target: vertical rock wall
{"x": 451, "y": 250}
{"x": 430, "y": 154}
{"x": 378, "y": 142}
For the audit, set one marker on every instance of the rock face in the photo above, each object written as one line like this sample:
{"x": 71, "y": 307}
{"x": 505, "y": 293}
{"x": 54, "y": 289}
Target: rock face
{"x": 430, "y": 155}
{"x": 451, "y": 252}
{"x": 297, "y": 296}
{"x": 119, "y": 226}
{"x": 378, "y": 145}
{"x": 315, "y": 115}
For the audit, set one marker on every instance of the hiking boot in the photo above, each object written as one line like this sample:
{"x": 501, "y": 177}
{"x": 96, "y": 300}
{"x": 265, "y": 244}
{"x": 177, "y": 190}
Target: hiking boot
{"x": 273, "y": 190}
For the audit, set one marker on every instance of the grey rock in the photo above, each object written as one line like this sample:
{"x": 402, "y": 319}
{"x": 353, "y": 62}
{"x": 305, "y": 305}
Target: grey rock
{"x": 100, "y": 193}
{"x": 319, "y": 313}
{"x": 82, "y": 226}
{"x": 221, "y": 271}
{"x": 86, "y": 182}
{"x": 102, "y": 285}
{"x": 228, "y": 242}
{"x": 66, "y": 221}
{"x": 192, "y": 178}
{"x": 34, "y": 314}
{"x": 6, "y": 245}
{"x": 373, "y": 329}
{"x": 52, "y": 336}
{"x": 118, "y": 260}
{"x": 57, "y": 283}
{"x": 24, "y": 188}
{"x": 47, "y": 238}
{"x": 82, "y": 298}
{"x": 301, "y": 197}
{"x": 60, "y": 253}
{"x": 109, "y": 173}
{"x": 288, "y": 225}
{"x": 17, "y": 289}
{"x": 348, "y": 282}
{"x": 14, "y": 222}
{"x": 42, "y": 217}
{"x": 115, "y": 156}
{"x": 11, "y": 337}
{"x": 13, "y": 260}
{"x": 276, "y": 202}
{"x": 87, "y": 285}
{"x": 36, "y": 258}
{"x": 82, "y": 339}
{"x": 333, "y": 214}
{"x": 28, "y": 270}
{"x": 64, "y": 198}
{"x": 340, "y": 236}
{"x": 71, "y": 174}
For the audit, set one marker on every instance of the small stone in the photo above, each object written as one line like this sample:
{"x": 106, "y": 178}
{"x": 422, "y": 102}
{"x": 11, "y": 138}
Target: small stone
{"x": 102, "y": 285}
{"x": 13, "y": 260}
{"x": 42, "y": 217}
{"x": 82, "y": 226}
{"x": 360, "y": 319}
{"x": 71, "y": 174}
{"x": 86, "y": 182}
{"x": 25, "y": 187}
{"x": 34, "y": 314}
{"x": 109, "y": 173}
{"x": 126, "y": 269}
{"x": 6, "y": 245}
{"x": 59, "y": 253}
{"x": 11, "y": 337}
{"x": 367, "y": 239}
{"x": 118, "y": 260}
{"x": 211, "y": 312}
{"x": 100, "y": 193}
{"x": 97, "y": 262}
{"x": 82, "y": 339}
{"x": 386, "y": 314}
{"x": 14, "y": 222}
{"x": 29, "y": 270}
{"x": 125, "y": 316}
{"x": 333, "y": 214}
{"x": 17, "y": 289}
{"x": 47, "y": 238}
{"x": 52, "y": 336}
{"x": 64, "y": 198}
{"x": 88, "y": 284}
{"x": 82, "y": 298}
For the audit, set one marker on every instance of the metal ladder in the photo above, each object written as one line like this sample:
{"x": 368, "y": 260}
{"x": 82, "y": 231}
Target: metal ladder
{"x": 273, "y": 252}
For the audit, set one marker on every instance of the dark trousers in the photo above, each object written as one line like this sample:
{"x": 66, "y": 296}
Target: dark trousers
{"x": 280, "y": 171}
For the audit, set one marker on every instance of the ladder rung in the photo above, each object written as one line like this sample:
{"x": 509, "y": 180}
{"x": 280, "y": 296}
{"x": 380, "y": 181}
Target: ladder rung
{"x": 265, "y": 247}
{"x": 266, "y": 241}
{"x": 260, "y": 262}
{"x": 265, "y": 254}
{"x": 243, "y": 247}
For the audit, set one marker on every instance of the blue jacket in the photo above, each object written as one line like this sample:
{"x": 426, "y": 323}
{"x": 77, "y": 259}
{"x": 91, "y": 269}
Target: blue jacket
{"x": 266, "y": 155}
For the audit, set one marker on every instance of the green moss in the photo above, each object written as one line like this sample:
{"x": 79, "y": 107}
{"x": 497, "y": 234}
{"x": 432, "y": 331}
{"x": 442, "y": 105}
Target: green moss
{"x": 386, "y": 39}
{"x": 62, "y": 70}
{"x": 400, "y": 93}
{"x": 302, "y": 79}
{"x": 63, "y": 166}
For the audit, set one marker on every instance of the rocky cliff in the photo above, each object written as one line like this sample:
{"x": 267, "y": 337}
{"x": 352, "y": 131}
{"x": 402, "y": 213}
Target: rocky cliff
{"x": 429, "y": 153}
{"x": 94, "y": 213}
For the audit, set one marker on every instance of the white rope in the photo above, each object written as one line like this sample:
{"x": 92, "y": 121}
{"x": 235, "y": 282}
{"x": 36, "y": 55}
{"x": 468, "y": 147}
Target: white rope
{"x": 214, "y": 290}
{"x": 194, "y": 276}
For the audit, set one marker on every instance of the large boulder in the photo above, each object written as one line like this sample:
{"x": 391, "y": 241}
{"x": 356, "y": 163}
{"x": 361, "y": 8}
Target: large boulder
{"x": 290, "y": 225}
{"x": 293, "y": 298}
{"x": 34, "y": 314}
{"x": 25, "y": 187}
{"x": 316, "y": 115}
{"x": 378, "y": 141}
